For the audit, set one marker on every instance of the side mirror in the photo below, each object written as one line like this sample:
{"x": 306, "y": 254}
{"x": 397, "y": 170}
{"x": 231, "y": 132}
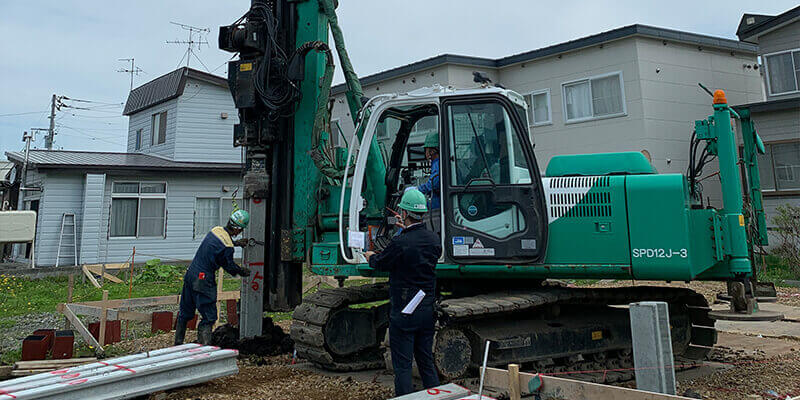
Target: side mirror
{"x": 759, "y": 144}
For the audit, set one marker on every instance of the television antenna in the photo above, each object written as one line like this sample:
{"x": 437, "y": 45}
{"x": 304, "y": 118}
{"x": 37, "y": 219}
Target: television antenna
{"x": 195, "y": 39}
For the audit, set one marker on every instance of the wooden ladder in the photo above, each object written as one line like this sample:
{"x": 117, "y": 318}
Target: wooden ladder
{"x": 67, "y": 222}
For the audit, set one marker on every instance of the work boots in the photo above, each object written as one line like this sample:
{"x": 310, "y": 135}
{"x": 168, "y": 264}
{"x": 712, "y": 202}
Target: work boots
{"x": 180, "y": 331}
{"x": 204, "y": 334}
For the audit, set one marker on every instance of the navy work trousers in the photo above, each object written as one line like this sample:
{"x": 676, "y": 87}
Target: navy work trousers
{"x": 411, "y": 337}
{"x": 199, "y": 294}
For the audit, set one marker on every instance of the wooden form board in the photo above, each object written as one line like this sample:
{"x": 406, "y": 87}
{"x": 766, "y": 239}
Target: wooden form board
{"x": 554, "y": 388}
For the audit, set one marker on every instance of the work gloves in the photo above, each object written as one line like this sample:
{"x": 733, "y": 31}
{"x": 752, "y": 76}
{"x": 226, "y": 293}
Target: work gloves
{"x": 244, "y": 272}
{"x": 240, "y": 243}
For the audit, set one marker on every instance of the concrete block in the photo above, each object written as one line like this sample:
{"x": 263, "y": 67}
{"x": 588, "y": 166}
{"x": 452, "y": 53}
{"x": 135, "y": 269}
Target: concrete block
{"x": 232, "y": 312}
{"x": 652, "y": 347}
{"x": 50, "y": 333}
{"x": 34, "y": 347}
{"x": 63, "y": 345}
{"x": 161, "y": 321}
{"x": 450, "y": 391}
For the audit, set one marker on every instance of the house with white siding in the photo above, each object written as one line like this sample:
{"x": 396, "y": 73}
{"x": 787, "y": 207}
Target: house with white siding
{"x": 178, "y": 178}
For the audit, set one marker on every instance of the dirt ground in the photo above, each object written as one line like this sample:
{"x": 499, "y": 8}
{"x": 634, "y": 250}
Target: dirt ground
{"x": 741, "y": 367}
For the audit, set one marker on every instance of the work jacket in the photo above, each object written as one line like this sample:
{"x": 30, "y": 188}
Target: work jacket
{"x": 431, "y": 187}
{"x": 214, "y": 252}
{"x": 410, "y": 258}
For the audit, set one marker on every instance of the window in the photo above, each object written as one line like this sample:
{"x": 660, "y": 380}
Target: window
{"x": 779, "y": 167}
{"x": 783, "y": 72}
{"x": 158, "y": 131}
{"x": 138, "y": 209}
{"x": 138, "y": 139}
{"x": 206, "y": 215}
{"x": 486, "y": 146}
{"x": 539, "y": 107}
{"x": 592, "y": 98}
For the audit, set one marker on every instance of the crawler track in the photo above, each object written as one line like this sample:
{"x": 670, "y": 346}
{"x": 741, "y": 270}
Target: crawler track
{"x": 319, "y": 331}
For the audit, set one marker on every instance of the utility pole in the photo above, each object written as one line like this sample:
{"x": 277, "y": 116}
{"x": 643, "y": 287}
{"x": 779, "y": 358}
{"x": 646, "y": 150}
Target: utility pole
{"x": 27, "y": 138}
{"x": 134, "y": 70}
{"x": 48, "y": 141}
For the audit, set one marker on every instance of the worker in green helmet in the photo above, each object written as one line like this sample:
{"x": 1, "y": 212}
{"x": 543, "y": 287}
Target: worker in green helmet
{"x": 410, "y": 258}
{"x": 199, "y": 286}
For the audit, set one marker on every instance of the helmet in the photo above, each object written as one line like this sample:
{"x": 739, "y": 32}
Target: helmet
{"x": 432, "y": 140}
{"x": 240, "y": 218}
{"x": 414, "y": 201}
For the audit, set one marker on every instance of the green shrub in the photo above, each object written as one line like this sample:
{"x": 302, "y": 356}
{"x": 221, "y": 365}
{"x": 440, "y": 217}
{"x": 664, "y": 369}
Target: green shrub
{"x": 787, "y": 229}
{"x": 154, "y": 271}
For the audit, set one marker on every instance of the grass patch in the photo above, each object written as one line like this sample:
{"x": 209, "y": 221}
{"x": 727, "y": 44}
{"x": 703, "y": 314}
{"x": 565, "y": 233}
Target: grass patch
{"x": 776, "y": 270}
{"x": 19, "y": 296}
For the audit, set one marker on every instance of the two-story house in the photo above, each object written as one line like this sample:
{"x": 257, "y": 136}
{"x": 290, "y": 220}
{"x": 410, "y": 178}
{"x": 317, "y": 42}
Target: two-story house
{"x": 177, "y": 179}
{"x": 777, "y": 119}
{"x": 634, "y": 88}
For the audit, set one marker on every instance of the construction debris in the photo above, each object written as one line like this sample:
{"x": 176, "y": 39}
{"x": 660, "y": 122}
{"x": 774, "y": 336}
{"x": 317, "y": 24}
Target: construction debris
{"x": 25, "y": 368}
{"x": 129, "y": 376}
{"x": 272, "y": 341}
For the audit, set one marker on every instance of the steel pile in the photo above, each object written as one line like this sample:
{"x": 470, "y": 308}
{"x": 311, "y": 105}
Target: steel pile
{"x": 127, "y": 377}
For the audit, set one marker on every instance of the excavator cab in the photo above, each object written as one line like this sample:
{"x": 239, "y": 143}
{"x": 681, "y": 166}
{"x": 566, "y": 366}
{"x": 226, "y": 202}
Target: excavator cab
{"x": 492, "y": 199}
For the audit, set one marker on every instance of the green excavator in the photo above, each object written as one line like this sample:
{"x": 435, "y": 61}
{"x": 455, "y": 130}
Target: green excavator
{"x": 510, "y": 232}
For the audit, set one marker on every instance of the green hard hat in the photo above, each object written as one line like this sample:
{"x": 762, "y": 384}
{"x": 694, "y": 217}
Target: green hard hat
{"x": 414, "y": 201}
{"x": 240, "y": 218}
{"x": 432, "y": 140}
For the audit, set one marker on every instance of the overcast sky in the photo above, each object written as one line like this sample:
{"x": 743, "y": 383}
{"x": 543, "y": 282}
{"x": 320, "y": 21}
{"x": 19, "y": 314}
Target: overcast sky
{"x": 72, "y": 48}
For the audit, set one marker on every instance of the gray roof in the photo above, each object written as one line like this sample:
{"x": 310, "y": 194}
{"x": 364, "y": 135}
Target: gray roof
{"x": 771, "y": 105}
{"x": 166, "y": 87}
{"x": 5, "y": 169}
{"x": 116, "y": 161}
{"x": 763, "y": 23}
{"x": 619, "y": 33}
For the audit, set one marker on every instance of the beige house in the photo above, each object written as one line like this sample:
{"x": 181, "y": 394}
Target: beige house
{"x": 632, "y": 88}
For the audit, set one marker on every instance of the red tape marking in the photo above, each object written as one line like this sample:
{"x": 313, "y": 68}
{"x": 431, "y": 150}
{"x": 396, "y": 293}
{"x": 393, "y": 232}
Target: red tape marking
{"x": 77, "y": 381}
{"x": 70, "y": 376}
{"x": 57, "y": 372}
{"x": 204, "y": 355}
{"x": 4, "y": 393}
{"x": 435, "y": 391}
{"x": 256, "y": 264}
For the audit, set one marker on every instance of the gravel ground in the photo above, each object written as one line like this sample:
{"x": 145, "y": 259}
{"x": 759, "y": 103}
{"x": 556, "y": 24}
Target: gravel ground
{"x": 751, "y": 378}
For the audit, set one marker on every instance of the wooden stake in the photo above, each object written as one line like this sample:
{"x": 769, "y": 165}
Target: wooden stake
{"x": 88, "y": 274}
{"x": 70, "y": 288}
{"x": 514, "y": 392}
{"x": 103, "y": 318}
{"x": 130, "y": 286}
{"x": 220, "y": 280}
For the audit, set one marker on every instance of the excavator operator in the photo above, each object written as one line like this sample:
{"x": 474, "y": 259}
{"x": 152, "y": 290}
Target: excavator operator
{"x": 431, "y": 186}
{"x": 199, "y": 286}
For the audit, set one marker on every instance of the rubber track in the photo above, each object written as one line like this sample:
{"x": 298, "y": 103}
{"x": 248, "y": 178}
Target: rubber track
{"x": 701, "y": 338}
{"x": 310, "y": 317}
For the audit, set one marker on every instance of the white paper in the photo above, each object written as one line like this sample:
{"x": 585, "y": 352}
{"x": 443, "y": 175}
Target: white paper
{"x": 355, "y": 239}
{"x": 412, "y": 305}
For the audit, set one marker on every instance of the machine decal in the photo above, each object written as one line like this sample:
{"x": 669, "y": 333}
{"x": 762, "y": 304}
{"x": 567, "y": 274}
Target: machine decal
{"x": 472, "y": 210}
{"x": 478, "y": 244}
{"x": 460, "y": 250}
{"x": 458, "y": 240}
{"x": 660, "y": 253}
{"x": 478, "y": 249}
{"x": 528, "y": 244}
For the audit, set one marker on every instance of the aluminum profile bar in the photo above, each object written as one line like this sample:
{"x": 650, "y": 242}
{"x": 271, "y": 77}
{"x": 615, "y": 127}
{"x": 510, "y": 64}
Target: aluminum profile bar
{"x": 127, "y": 377}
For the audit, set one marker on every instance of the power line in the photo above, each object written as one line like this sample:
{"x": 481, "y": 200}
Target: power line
{"x": 22, "y": 113}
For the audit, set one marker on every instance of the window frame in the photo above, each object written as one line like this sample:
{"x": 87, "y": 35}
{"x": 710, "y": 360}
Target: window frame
{"x": 776, "y": 191}
{"x": 137, "y": 141}
{"x": 794, "y": 70}
{"x": 593, "y": 117}
{"x": 138, "y": 196}
{"x": 194, "y": 216}
{"x": 532, "y": 115}
{"x": 155, "y": 137}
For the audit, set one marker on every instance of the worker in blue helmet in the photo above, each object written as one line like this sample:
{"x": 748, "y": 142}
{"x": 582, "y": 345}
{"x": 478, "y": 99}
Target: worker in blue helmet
{"x": 199, "y": 286}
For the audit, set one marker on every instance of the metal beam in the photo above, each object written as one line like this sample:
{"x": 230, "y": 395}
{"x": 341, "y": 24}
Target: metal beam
{"x": 127, "y": 377}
